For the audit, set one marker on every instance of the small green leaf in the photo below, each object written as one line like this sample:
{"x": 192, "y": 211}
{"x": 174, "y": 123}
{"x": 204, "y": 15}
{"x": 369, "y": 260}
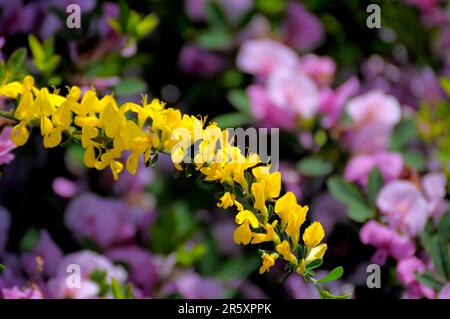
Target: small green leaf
{"x": 374, "y": 184}
{"x": 415, "y": 160}
{"x": 445, "y": 84}
{"x": 335, "y": 274}
{"x": 2, "y": 269}
{"x": 440, "y": 256}
{"x": 116, "y": 289}
{"x": 146, "y": 25}
{"x": 327, "y": 295}
{"x": 2, "y": 71}
{"x": 360, "y": 212}
{"x": 215, "y": 15}
{"x": 314, "y": 264}
{"x": 29, "y": 240}
{"x": 314, "y": 166}
{"x": 403, "y": 133}
{"x": 444, "y": 226}
{"x": 130, "y": 86}
{"x": 232, "y": 120}
{"x": 344, "y": 191}
{"x": 214, "y": 40}
{"x": 36, "y": 48}
{"x": 428, "y": 279}
{"x": 239, "y": 99}
{"x": 124, "y": 13}
{"x": 16, "y": 61}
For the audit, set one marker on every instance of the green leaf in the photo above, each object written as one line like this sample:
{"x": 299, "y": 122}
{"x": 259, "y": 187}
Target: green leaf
{"x": 2, "y": 269}
{"x": 116, "y": 289}
{"x": 29, "y": 240}
{"x": 124, "y": 13}
{"x": 414, "y": 159}
{"x": 428, "y": 279}
{"x": 445, "y": 83}
{"x": 403, "y": 133}
{"x": 239, "y": 99}
{"x": 314, "y": 166}
{"x": 237, "y": 268}
{"x": 360, "y": 212}
{"x": 214, "y": 40}
{"x": 16, "y": 61}
{"x": 440, "y": 256}
{"x": 327, "y": 295}
{"x": 215, "y": 15}
{"x": 146, "y": 25}
{"x": 374, "y": 184}
{"x": 2, "y": 71}
{"x": 232, "y": 120}
{"x": 444, "y": 226}
{"x": 335, "y": 274}
{"x": 130, "y": 86}
{"x": 314, "y": 264}
{"x": 37, "y": 49}
{"x": 128, "y": 292}
{"x": 344, "y": 191}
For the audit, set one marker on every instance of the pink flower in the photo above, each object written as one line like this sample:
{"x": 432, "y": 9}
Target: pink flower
{"x": 291, "y": 89}
{"x": 374, "y": 107}
{"x": 303, "y": 30}
{"x": 142, "y": 269}
{"x": 332, "y": 102}
{"x": 267, "y": 113}
{"x": 105, "y": 221}
{"x": 6, "y": 146}
{"x": 16, "y": 293}
{"x": 434, "y": 187}
{"x": 50, "y": 253}
{"x": 234, "y": 9}
{"x": 404, "y": 206}
{"x": 88, "y": 262}
{"x": 360, "y": 166}
{"x": 192, "y": 286}
{"x": 369, "y": 138}
{"x": 445, "y": 292}
{"x": 195, "y": 9}
{"x": 387, "y": 241}
{"x": 406, "y": 274}
{"x": 262, "y": 56}
{"x": 64, "y": 187}
{"x": 320, "y": 69}
{"x": 423, "y": 5}
{"x": 197, "y": 61}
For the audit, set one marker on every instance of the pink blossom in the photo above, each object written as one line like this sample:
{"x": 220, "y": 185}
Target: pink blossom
{"x": 374, "y": 107}
{"x": 6, "y": 146}
{"x": 267, "y": 113}
{"x": 234, "y": 9}
{"x": 197, "y": 61}
{"x": 423, "y": 5}
{"x": 50, "y": 253}
{"x": 89, "y": 262}
{"x": 262, "y": 56}
{"x": 369, "y": 138}
{"x": 142, "y": 269}
{"x": 332, "y": 102}
{"x": 105, "y": 221}
{"x": 291, "y": 89}
{"x": 303, "y": 30}
{"x": 404, "y": 206}
{"x": 16, "y": 293}
{"x": 195, "y": 9}
{"x": 406, "y": 274}
{"x": 320, "y": 69}
{"x": 192, "y": 286}
{"x": 64, "y": 187}
{"x": 445, "y": 292}
{"x": 387, "y": 241}
{"x": 360, "y": 166}
{"x": 434, "y": 188}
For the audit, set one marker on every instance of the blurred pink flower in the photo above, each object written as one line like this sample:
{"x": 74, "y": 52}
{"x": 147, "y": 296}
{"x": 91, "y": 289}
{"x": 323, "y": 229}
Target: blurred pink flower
{"x": 197, "y": 61}
{"x": 320, "y": 69}
{"x": 434, "y": 188}
{"x": 423, "y": 5}
{"x": 64, "y": 187}
{"x": 195, "y": 9}
{"x": 6, "y": 146}
{"x": 16, "y": 293}
{"x": 404, "y": 206}
{"x": 374, "y": 107}
{"x": 262, "y": 56}
{"x": 303, "y": 30}
{"x": 387, "y": 241}
{"x": 406, "y": 270}
{"x": 104, "y": 221}
{"x": 445, "y": 292}
{"x": 235, "y": 9}
{"x": 267, "y": 113}
{"x": 332, "y": 102}
{"x": 369, "y": 138}
{"x": 192, "y": 286}
{"x": 291, "y": 89}
{"x": 89, "y": 262}
{"x": 50, "y": 253}
{"x": 141, "y": 267}
{"x": 360, "y": 166}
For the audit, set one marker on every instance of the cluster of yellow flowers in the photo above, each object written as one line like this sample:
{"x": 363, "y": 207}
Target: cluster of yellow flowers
{"x": 107, "y": 130}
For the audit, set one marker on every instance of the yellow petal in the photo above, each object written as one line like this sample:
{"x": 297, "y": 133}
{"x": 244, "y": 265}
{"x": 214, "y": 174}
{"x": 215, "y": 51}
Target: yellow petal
{"x": 316, "y": 253}
{"x": 19, "y": 134}
{"x": 243, "y": 234}
{"x": 246, "y": 216}
{"x": 313, "y": 235}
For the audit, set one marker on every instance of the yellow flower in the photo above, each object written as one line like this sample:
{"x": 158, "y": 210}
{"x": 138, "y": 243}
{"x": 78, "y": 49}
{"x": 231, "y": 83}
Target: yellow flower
{"x": 267, "y": 262}
{"x": 301, "y": 268}
{"x": 19, "y": 134}
{"x": 272, "y": 181}
{"x": 11, "y": 90}
{"x": 296, "y": 220}
{"x": 316, "y": 253}
{"x": 228, "y": 200}
{"x": 285, "y": 250}
{"x": 284, "y": 206}
{"x": 243, "y": 233}
{"x": 270, "y": 234}
{"x": 313, "y": 235}
{"x": 258, "y": 192}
